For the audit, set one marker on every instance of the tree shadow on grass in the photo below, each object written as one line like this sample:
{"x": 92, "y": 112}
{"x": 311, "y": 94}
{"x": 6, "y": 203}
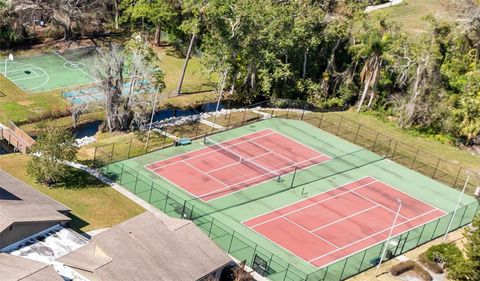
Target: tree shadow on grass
{"x": 77, "y": 179}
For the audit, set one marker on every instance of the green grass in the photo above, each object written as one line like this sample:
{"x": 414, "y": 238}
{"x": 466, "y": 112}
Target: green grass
{"x": 18, "y": 106}
{"x": 455, "y": 155}
{"x": 94, "y": 205}
{"x": 411, "y": 14}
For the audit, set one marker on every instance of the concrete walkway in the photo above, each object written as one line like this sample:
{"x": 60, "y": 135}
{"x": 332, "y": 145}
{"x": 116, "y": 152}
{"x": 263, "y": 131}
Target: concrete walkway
{"x": 167, "y": 134}
{"x": 264, "y": 114}
{"x": 211, "y": 124}
{"x": 382, "y": 6}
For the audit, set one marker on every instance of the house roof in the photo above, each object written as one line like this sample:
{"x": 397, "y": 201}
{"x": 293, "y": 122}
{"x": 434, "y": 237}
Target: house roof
{"x": 20, "y": 202}
{"x": 149, "y": 247}
{"x": 13, "y": 268}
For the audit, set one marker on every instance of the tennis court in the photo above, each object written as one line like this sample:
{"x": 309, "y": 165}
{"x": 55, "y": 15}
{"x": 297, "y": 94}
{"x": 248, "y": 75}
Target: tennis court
{"x": 50, "y": 71}
{"x": 361, "y": 211}
{"x": 295, "y": 202}
{"x": 233, "y": 165}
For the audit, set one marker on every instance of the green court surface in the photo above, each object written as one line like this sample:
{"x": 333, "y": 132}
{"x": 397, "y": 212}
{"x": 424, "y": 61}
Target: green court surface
{"x": 222, "y": 218}
{"x": 50, "y": 71}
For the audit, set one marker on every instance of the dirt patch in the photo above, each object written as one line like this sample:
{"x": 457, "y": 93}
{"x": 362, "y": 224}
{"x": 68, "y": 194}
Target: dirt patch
{"x": 25, "y": 102}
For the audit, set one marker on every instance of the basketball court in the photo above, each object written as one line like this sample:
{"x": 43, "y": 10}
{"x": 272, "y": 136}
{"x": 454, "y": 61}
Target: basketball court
{"x": 50, "y": 71}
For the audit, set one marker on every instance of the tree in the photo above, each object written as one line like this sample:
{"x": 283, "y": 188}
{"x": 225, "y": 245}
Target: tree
{"x": 157, "y": 12}
{"x": 53, "y": 148}
{"x": 469, "y": 270}
{"x": 127, "y": 105}
{"x": 371, "y": 48}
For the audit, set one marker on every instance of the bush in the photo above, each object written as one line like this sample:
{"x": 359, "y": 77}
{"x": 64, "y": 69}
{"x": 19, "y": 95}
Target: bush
{"x": 431, "y": 265}
{"x": 406, "y": 266}
{"x": 449, "y": 253}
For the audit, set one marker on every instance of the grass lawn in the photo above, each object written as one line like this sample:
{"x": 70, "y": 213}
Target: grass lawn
{"x": 94, "y": 205}
{"x": 411, "y": 14}
{"x": 444, "y": 150}
{"x": 18, "y": 106}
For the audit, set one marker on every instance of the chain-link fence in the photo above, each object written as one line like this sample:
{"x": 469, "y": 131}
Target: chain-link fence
{"x": 369, "y": 140}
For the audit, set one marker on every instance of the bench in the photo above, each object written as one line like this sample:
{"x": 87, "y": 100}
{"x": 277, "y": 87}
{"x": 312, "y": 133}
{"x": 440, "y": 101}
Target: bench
{"x": 183, "y": 141}
{"x": 375, "y": 261}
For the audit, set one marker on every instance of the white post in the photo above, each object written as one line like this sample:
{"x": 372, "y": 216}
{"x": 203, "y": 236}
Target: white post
{"x": 389, "y": 236}
{"x": 221, "y": 89}
{"x": 456, "y": 209}
{"x": 10, "y": 57}
{"x": 151, "y": 118}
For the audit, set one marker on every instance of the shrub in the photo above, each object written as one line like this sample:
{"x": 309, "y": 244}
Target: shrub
{"x": 449, "y": 253}
{"x": 403, "y": 267}
{"x": 431, "y": 265}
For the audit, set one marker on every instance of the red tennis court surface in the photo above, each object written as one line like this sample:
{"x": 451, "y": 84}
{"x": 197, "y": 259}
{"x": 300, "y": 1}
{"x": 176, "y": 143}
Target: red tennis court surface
{"x": 213, "y": 172}
{"x": 342, "y": 221}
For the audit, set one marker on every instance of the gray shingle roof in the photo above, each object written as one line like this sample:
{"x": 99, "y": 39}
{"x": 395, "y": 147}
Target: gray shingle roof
{"x": 149, "y": 247}
{"x": 13, "y": 268}
{"x": 19, "y": 202}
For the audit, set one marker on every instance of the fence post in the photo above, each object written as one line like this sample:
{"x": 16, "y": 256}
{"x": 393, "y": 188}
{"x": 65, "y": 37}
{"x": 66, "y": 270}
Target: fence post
{"x": 94, "y": 157}
{"x": 129, "y": 148}
{"x": 303, "y": 111}
{"x": 436, "y": 167}
{"x": 231, "y": 241}
{"x": 150, "y": 196}
{"x": 111, "y": 154}
{"x": 435, "y": 229}
{"x": 463, "y": 216}
{"x": 164, "y": 139}
{"x": 166, "y": 202}
{"x": 456, "y": 179}
{"x": 375, "y": 142}
{"x": 121, "y": 173}
{"x": 319, "y": 125}
{"x": 214, "y": 119}
{"x": 363, "y": 258}
{"x": 196, "y": 129}
{"x": 286, "y": 272}
{"x": 394, "y": 149}
{"x": 356, "y": 135}
{"x": 343, "y": 269}
{"x": 211, "y": 225}
{"x": 228, "y": 122}
{"x": 288, "y": 111}
{"x": 135, "y": 187}
{"x": 415, "y": 158}
{"x": 243, "y": 118}
{"x": 339, "y": 124}
{"x": 273, "y": 111}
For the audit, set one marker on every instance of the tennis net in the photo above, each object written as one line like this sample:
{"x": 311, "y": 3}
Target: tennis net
{"x": 241, "y": 159}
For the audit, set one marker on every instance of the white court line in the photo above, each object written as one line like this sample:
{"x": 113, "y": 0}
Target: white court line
{"x": 345, "y": 218}
{"x": 309, "y": 205}
{"x": 305, "y": 229}
{"x": 74, "y": 65}
{"x": 372, "y": 235}
{"x": 224, "y": 184}
{"x": 195, "y": 150}
{"x": 263, "y": 147}
{"x": 414, "y": 198}
{"x": 203, "y": 154}
{"x": 299, "y": 143}
{"x": 235, "y": 163}
{"x": 285, "y": 167}
{"x": 380, "y": 205}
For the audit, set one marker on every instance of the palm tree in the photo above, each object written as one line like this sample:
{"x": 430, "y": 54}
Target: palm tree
{"x": 469, "y": 114}
{"x": 374, "y": 42}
